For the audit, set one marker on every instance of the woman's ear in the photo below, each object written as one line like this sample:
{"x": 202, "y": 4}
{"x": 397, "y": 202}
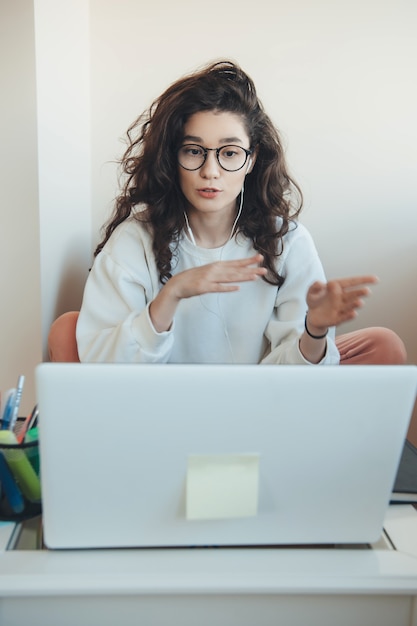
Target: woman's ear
{"x": 251, "y": 162}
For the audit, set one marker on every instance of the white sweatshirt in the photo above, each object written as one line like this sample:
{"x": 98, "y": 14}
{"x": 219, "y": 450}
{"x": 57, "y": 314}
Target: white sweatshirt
{"x": 257, "y": 324}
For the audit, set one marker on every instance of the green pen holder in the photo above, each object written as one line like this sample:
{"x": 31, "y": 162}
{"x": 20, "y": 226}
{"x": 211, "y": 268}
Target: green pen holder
{"x": 20, "y": 490}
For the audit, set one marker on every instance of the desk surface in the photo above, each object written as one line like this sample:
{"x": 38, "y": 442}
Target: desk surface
{"x": 223, "y": 586}
{"x": 207, "y": 571}
{"x": 226, "y": 570}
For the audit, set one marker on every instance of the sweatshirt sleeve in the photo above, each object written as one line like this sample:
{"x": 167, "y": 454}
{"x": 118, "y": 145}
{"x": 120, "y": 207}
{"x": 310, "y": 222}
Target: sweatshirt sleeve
{"x": 300, "y": 267}
{"x": 114, "y": 323}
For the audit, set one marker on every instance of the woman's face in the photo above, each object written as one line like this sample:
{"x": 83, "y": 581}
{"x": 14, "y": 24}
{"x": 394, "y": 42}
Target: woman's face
{"x": 211, "y": 188}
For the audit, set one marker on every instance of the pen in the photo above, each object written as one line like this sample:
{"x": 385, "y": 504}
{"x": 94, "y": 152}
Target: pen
{"x": 16, "y": 403}
{"x": 34, "y": 418}
{"x": 8, "y": 408}
{"x": 29, "y": 423}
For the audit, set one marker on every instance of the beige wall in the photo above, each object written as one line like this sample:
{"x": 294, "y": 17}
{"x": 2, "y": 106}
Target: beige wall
{"x": 20, "y": 328}
{"x": 335, "y": 76}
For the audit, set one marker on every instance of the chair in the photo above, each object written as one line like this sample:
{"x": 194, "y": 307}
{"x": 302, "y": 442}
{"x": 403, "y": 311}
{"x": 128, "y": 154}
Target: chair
{"x": 62, "y": 344}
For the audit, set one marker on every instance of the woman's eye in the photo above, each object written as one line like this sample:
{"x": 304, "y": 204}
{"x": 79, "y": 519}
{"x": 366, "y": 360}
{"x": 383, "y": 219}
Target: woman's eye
{"x": 192, "y": 151}
{"x": 229, "y": 153}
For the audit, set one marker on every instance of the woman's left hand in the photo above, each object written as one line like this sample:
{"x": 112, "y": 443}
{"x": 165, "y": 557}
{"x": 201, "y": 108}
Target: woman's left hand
{"x": 335, "y": 302}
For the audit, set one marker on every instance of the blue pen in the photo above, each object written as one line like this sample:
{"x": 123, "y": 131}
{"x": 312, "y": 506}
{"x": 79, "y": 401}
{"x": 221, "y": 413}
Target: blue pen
{"x": 17, "y": 399}
{"x": 12, "y": 492}
{"x": 8, "y": 409}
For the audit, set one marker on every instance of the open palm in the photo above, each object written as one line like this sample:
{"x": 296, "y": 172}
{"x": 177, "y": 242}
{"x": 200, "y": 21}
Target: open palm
{"x": 335, "y": 302}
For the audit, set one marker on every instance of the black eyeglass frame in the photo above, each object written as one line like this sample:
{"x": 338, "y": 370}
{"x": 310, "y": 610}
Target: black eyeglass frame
{"x": 217, "y": 151}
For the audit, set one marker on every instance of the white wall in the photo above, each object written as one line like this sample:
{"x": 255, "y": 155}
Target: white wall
{"x": 335, "y": 76}
{"x": 63, "y": 101}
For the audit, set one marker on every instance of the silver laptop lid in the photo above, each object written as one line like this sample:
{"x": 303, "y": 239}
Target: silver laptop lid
{"x": 186, "y": 455}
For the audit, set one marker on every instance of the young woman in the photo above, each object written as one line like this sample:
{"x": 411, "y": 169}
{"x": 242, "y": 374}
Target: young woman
{"x": 204, "y": 260}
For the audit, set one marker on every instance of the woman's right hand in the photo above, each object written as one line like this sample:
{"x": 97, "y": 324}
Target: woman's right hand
{"x": 217, "y": 277}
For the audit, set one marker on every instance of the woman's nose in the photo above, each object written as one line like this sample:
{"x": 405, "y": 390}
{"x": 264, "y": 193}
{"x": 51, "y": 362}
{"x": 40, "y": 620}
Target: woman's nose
{"x": 210, "y": 167}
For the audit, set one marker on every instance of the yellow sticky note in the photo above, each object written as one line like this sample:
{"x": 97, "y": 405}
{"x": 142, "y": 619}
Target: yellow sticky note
{"x": 222, "y": 486}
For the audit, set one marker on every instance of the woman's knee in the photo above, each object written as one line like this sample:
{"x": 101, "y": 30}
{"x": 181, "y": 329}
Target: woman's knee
{"x": 371, "y": 346}
{"x": 388, "y": 347}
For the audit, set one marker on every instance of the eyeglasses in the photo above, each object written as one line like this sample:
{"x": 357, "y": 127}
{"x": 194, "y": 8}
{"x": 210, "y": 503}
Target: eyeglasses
{"x": 231, "y": 158}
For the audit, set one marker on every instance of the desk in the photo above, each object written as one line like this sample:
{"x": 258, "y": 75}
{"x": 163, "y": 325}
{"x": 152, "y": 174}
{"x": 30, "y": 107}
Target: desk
{"x": 225, "y": 586}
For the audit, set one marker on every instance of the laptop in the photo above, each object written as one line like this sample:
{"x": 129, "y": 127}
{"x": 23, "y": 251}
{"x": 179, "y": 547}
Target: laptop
{"x": 219, "y": 455}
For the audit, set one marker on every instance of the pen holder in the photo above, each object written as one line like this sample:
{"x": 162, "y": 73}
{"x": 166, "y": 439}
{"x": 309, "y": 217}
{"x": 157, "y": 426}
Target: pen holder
{"x": 20, "y": 490}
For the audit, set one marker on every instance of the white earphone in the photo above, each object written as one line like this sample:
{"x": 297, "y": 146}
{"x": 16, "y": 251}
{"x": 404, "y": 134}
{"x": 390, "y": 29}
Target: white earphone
{"x": 219, "y": 314}
{"x": 190, "y": 232}
{"x": 249, "y": 165}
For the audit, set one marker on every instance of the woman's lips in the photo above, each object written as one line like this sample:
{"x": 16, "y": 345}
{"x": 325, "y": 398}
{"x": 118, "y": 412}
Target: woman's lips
{"x": 208, "y": 192}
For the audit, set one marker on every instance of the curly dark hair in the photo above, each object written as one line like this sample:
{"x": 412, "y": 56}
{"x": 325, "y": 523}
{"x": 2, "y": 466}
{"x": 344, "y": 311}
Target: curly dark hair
{"x": 150, "y": 166}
